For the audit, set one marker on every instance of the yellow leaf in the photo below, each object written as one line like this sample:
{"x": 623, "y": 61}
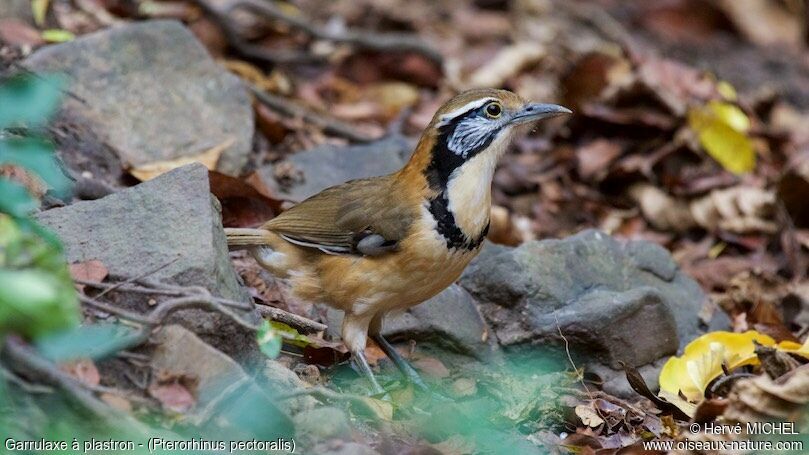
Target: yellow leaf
{"x": 722, "y": 131}
{"x": 55, "y": 35}
{"x": 39, "y": 9}
{"x": 382, "y": 409}
{"x": 209, "y": 158}
{"x": 726, "y": 90}
{"x": 702, "y": 362}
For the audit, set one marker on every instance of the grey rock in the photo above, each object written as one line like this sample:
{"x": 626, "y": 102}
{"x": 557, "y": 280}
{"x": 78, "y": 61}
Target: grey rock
{"x": 450, "y": 320}
{"x": 222, "y": 382}
{"x": 151, "y": 92}
{"x": 323, "y": 423}
{"x": 328, "y": 165}
{"x": 174, "y": 220}
{"x": 613, "y": 301}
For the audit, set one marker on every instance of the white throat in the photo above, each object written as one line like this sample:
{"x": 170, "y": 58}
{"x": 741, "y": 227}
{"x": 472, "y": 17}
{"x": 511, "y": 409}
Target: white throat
{"x": 469, "y": 189}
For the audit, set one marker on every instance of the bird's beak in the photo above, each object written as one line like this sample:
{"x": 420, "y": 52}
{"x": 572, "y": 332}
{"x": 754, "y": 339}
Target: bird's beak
{"x": 538, "y": 111}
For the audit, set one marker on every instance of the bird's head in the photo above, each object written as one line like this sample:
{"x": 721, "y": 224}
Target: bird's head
{"x": 475, "y": 127}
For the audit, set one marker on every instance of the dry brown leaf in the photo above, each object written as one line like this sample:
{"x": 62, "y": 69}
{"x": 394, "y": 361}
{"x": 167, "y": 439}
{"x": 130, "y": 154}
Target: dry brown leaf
{"x": 92, "y": 270}
{"x": 82, "y": 369}
{"x": 208, "y": 158}
{"x": 593, "y": 159}
{"x": 588, "y": 415}
{"x": 507, "y": 63}
{"x": 764, "y": 22}
{"x": 173, "y": 397}
{"x": 740, "y": 209}
{"x": 431, "y": 367}
{"x": 116, "y": 401}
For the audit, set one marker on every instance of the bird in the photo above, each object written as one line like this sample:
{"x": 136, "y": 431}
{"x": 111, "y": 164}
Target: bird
{"x": 379, "y": 245}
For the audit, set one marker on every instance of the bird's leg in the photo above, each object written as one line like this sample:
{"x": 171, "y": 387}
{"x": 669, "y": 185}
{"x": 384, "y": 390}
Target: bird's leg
{"x": 407, "y": 370}
{"x": 355, "y": 335}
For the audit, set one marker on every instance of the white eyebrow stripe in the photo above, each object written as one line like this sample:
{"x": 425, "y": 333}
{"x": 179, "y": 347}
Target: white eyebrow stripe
{"x": 464, "y": 109}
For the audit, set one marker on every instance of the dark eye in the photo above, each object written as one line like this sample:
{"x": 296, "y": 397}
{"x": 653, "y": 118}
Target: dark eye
{"x": 493, "y": 110}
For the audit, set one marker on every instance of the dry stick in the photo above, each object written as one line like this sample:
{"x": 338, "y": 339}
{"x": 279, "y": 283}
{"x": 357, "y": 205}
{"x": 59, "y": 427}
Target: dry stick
{"x": 302, "y": 324}
{"x": 382, "y": 42}
{"x": 299, "y": 322}
{"x": 575, "y": 368}
{"x": 139, "y": 277}
{"x": 248, "y": 50}
{"x": 324, "y": 394}
{"x": 292, "y": 109}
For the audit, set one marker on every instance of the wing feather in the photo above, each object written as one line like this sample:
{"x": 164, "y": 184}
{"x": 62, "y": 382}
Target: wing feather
{"x": 337, "y": 219}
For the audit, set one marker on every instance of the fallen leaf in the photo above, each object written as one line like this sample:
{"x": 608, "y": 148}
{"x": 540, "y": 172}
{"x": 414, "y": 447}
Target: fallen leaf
{"x": 55, "y": 35}
{"x": 82, "y": 369}
{"x": 245, "y": 203}
{"x": 173, "y": 397}
{"x": 17, "y": 33}
{"x": 431, "y": 367}
{"x": 92, "y": 270}
{"x": 765, "y": 22}
{"x": 116, "y": 401}
{"x": 588, "y": 415}
{"x": 722, "y": 131}
{"x": 593, "y": 159}
{"x": 382, "y": 409}
{"x": 508, "y": 62}
{"x": 39, "y": 9}
{"x": 208, "y": 158}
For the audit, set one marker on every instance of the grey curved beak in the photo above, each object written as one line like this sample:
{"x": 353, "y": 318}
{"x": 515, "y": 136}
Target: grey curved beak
{"x": 538, "y": 111}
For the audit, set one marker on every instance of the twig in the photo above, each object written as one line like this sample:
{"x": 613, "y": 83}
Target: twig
{"x": 292, "y": 109}
{"x": 324, "y": 394}
{"x": 382, "y": 42}
{"x": 136, "y": 278}
{"x": 301, "y": 323}
{"x": 579, "y": 375}
{"x": 248, "y": 50}
{"x": 22, "y": 383}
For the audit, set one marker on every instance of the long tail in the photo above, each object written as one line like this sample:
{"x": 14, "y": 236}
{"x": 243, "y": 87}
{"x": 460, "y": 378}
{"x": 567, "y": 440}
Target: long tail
{"x": 241, "y": 237}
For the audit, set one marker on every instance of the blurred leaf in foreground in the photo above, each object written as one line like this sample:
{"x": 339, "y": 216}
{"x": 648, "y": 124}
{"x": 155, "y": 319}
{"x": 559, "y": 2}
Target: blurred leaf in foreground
{"x": 94, "y": 341}
{"x": 269, "y": 340}
{"x": 36, "y": 155}
{"x": 29, "y": 100}
{"x": 36, "y": 292}
{"x": 15, "y": 200}
{"x": 722, "y": 131}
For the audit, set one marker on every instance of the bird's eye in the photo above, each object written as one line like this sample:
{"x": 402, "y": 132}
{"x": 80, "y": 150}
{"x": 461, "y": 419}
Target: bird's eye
{"x": 493, "y": 110}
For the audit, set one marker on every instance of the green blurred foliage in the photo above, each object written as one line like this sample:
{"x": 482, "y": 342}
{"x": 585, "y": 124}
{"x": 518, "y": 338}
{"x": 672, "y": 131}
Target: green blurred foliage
{"x": 36, "y": 291}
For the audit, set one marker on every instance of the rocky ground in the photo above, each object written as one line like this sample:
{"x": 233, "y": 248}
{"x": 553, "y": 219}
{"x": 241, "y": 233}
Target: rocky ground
{"x": 173, "y": 127}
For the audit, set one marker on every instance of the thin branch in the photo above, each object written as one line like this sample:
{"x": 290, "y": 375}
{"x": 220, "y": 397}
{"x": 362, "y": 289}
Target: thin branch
{"x": 250, "y": 51}
{"x": 139, "y": 277}
{"x": 324, "y": 394}
{"x": 301, "y": 323}
{"x": 292, "y": 109}
{"x": 380, "y": 42}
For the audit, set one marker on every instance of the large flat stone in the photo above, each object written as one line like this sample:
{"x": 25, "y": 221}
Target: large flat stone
{"x": 613, "y": 301}
{"x": 151, "y": 92}
{"x": 172, "y": 220}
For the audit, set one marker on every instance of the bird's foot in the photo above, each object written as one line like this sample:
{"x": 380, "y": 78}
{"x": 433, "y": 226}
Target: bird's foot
{"x": 406, "y": 369}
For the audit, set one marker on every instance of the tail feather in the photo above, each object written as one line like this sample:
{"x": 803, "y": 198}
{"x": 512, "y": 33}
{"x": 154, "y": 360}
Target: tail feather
{"x": 247, "y": 237}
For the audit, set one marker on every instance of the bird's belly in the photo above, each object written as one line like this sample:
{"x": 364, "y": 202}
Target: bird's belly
{"x": 419, "y": 270}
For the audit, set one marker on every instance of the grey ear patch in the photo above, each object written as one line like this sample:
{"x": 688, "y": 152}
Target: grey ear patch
{"x": 374, "y": 245}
